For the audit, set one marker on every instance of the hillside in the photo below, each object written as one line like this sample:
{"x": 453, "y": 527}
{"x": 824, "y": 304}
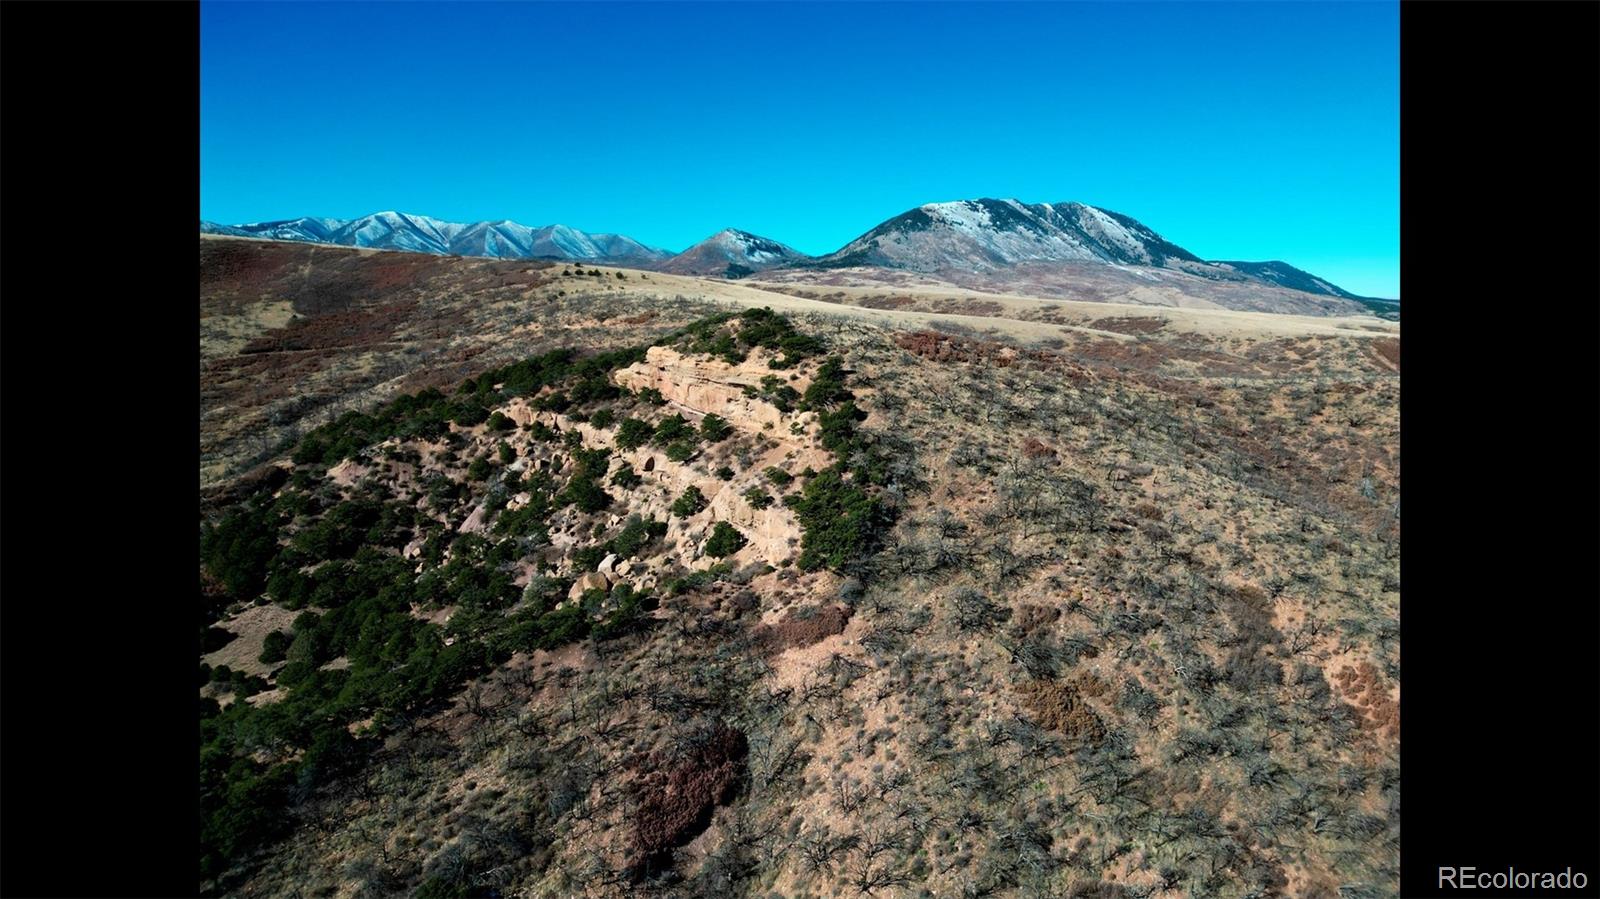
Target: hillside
{"x": 602, "y": 582}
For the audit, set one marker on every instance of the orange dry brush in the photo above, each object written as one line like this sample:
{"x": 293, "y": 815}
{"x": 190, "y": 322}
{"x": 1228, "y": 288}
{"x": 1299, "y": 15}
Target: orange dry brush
{"x": 1364, "y": 686}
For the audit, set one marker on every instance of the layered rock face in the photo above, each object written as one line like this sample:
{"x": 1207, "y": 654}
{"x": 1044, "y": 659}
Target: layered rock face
{"x": 706, "y": 385}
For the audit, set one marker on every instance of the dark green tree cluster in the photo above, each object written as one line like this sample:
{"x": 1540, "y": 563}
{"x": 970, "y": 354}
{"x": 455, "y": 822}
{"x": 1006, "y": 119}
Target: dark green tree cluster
{"x": 670, "y": 429}
{"x": 636, "y": 534}
{"x": 428, "y": 413}
{"x": 841, "y": 522}
{"x": 633, "y": 433}
{"x": 732, "y": 336}
{"x": 725, "y": 540}
{"x": 690, "y": 502}
{"x": 775, "y": 391}
{"x": 625, "y": 477}
{"x": 584, "y": 489}
{"x": 714, "y": 428}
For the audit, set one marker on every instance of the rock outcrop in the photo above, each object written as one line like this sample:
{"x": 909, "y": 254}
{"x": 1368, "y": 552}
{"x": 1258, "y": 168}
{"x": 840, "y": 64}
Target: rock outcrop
{"x": 708, "y": 385}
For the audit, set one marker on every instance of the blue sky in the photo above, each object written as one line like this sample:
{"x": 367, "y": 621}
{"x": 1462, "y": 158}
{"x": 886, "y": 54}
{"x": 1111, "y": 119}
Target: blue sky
{"x": 1238, "y": 131}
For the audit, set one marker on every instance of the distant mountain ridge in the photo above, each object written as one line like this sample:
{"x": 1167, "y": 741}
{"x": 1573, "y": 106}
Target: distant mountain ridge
{"x": 421, "y": 234}
{"x": 986, "y": 234}
{"x": 973, "y": 237}
{"x": 731, "y": 253}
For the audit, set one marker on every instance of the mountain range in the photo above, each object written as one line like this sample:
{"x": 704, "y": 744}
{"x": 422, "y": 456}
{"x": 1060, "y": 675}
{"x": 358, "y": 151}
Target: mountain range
{"x": 965, "y": 237}
{"x": 422, "y": 234}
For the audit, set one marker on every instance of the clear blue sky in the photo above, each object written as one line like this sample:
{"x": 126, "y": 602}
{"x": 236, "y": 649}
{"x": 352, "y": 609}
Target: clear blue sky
{"x": 1238, "y": 131}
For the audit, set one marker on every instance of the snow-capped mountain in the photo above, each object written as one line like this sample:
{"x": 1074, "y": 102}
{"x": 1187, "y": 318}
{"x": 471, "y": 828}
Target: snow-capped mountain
{"x": 305, "y": 228}
{"x": 731, "y": 253}
{"x": 422, "y": 234}
{"x": 978, "y": 235}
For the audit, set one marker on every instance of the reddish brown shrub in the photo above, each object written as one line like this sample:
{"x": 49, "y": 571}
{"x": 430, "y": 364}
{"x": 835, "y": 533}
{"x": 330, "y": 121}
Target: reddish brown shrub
{"x": 1091, "y": 685}
{"x": 678, "y": 794}
{"x": 801, "y": 628}
{"x": 1136, "y": 325}
{"x": 1059, "y": 707}
{"x": 1033, "y": 448}
{"x": 947, "y": 348}
{"x": 348, "y": 328}
{"x": 1032, "y": 617}
{"x": 887, "y": 302}
{"x": 1387, "y": 349}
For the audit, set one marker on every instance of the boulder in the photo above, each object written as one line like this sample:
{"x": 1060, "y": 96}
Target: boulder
{"x": 519, "y": 413}
{"x": 475, "y": 523}
{"x": 608, "y": 564}
{"x": 594, "y": 580}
